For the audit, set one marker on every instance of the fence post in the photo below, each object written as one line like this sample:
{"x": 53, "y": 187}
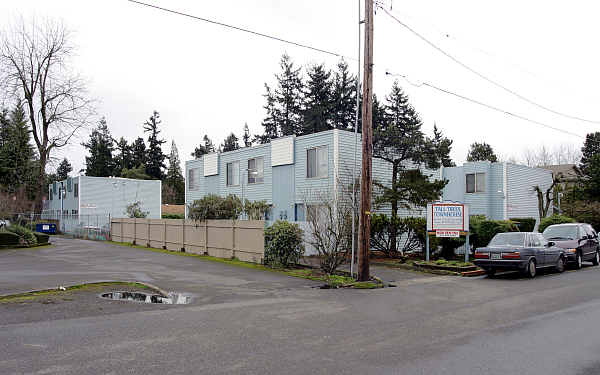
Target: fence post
{"x": 205, "y": 237}
{"x": 134, "y": 231}
{"x": 183, "y": 236}
{"x": 233, "y": 238}
{"x": 165, "y": 235}
{"x": 148, "y": 232}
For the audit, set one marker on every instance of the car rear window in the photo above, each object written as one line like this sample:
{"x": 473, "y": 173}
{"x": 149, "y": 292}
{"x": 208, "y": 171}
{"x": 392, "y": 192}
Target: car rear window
{"x": 508, "y": 239}
{"x": 561, "y": 232}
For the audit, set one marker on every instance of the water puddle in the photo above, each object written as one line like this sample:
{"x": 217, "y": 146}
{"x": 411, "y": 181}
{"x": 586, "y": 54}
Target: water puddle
{"x": 171, "y": 299}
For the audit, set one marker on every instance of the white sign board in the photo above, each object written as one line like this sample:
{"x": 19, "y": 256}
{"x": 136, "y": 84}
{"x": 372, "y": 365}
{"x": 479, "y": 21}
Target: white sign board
{"x": 447, "y": 216}
{"x": 447, "y": 233}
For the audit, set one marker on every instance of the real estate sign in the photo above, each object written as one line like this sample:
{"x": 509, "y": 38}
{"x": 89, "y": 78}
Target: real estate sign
{"x": 447, "y": 219}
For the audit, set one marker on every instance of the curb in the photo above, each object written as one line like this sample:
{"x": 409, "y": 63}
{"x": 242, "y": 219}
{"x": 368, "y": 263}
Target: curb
{"x": 473, "y": 273}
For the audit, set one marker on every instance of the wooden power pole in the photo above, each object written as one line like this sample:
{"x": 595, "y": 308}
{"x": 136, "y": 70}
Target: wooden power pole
{"x": 364, "y": 234}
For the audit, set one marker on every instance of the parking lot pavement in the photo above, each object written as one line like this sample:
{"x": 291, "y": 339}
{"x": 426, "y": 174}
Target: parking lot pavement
{"x": 271, "y": 324}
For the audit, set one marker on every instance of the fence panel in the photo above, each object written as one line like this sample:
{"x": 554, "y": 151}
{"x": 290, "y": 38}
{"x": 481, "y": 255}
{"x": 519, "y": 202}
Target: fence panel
{"x": 243, "y": 240}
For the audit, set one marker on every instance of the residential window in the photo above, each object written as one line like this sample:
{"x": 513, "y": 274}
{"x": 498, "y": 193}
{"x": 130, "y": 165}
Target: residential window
{"x": 233, "y": 173}
{"x": 50, "y": 193}
{"x": 75, "y": 190}
{"x": 192, "y": 179}
{"x": 256, "y": 171}
{"x": 316, "y": 162}
{"x": 475, "y": 182}
{"x": 316, "y": 212}
{"x": 74, "y": 212}
{"x": 65, "y": 212}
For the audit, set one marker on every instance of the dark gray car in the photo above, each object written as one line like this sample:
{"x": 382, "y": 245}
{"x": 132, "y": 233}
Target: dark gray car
{"x": 520, "y": 251}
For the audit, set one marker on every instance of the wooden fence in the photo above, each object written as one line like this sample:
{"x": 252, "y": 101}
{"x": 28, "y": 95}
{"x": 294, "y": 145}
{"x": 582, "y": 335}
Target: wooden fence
{"x": 242, "y": 239}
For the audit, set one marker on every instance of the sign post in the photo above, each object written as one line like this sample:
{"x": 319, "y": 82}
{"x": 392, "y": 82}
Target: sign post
{"x": 447, "y": 220}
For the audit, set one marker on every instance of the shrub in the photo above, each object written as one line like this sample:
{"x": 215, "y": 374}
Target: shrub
{"x": 487, "y": 229}
{"x": 41, "y": 237}
{"x": 410, "y": 234}
{"x": 283, "y": 244}
{"x": 525, "y": 224}
{"x": 172, "y": 216}
{"x": 256, "y": 210}
{"x": 554, "y": 219}
{"x": 8, "y": 238}
{"x": 214, "y": 207}
{"x": 26, "y": 237}
{"x": 134, "y": 210}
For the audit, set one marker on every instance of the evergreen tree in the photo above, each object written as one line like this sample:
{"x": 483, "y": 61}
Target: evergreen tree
{"x": 440, "y": 147}
{"x": 138, "y": 153}
{"x": 17, "y": 156}
{"x": 398, "y": 139}
{"x": 100, "y": 148}
{"x": 155, "y": 162}
{"x": 343, "y": 98}
{"x": 318, "y": 110}
{"x": 124, "y": 158}
{"x": 174, "y": 180}
{"x": 136, "y": 173}
{"x": 269, "y": 123}
{"x": 246, "y": 137}
{"x": 481, "y": 152}
{"x": 63, "y": 170}
{"x": 288, "y": 97}
{"x": 591, "y": 148}
{"x": 230, "y": 143}
{"x": 205, "y": 148}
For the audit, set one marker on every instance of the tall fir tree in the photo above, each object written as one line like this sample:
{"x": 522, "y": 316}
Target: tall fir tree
{"x": 63, "y": 170}
{"x": 317, "y": 114}
{"x": 288, "y": 97}
{"x": 247, "y": 138}
{"x": 269, "y": 123}
{"x": 17, "y": 155}
{"x": 123, "y": 158}
{"x": 440, "y": 147}
{"x": 206, "y": 147}
{"x": 99, "y": 163}
{"x": 138, "y": 153}
{"x": 400, "y": 141}
{"x": 230, "y": 143}
{"x": 591, "y": 148}
{"x": 174, "y": 182}
{"x": 343, "y": 97}
{"x": 155, "y": 162}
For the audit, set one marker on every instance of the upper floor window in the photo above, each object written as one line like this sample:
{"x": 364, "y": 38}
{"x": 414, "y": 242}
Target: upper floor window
{"x": 256, "y": 171}
{"x": 192, "y": 175}
{"x": 233, "y": 173}
{"x": 50, "y": 193}
{"x": 75, "y": 190}
{"x": 475, "y": 182}
{"x": 316, "y": 162}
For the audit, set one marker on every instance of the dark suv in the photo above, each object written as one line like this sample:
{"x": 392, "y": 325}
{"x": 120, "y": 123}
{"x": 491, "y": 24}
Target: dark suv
{"x": 580, "y": 242}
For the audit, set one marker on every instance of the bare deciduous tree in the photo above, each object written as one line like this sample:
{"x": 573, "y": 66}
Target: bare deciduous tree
{"x": 34, "y": 61}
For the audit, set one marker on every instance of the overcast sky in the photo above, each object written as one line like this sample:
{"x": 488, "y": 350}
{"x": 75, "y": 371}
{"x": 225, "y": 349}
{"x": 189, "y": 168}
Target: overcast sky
{"x": 203, "y": 78}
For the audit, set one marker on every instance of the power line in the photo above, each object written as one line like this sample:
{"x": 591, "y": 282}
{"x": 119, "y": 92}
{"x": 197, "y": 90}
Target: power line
{"x": 297, "y": 44}
{"x": 480, "y": 75}
{"x": 489, "y": 106}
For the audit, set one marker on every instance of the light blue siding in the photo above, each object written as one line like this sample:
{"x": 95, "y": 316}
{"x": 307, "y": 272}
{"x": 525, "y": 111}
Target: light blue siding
{"x": 283, "y": 193}
{"x": 312, "y": 189}
{"x": 522, "y": 200}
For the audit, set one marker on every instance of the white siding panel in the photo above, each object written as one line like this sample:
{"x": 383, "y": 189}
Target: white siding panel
{"x": 282, "y": 151}
{"x": 211, "y": 164}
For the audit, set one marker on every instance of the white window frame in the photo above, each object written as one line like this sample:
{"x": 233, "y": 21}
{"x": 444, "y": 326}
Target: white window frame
{"x": 259, "y": 178}
{"x": 233, "y": 164}
{"x": 319, "y": 173}
{"x": 476, "y": 188}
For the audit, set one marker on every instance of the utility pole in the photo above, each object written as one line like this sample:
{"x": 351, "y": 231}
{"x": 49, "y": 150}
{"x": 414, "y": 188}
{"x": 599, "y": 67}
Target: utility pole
{"x": 364, "y": 234}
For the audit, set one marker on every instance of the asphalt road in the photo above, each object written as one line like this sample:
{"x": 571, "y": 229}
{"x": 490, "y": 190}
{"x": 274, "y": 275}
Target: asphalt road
{"x": 244, "y": 321}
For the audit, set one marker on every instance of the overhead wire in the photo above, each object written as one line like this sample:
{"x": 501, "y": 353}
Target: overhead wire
{"x": 477, "y": 73}
{"x": 238, "y": 28}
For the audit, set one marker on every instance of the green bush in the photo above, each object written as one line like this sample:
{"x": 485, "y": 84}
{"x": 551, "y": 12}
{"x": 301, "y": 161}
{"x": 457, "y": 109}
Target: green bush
{"x": 525, "y": 224}
{"x": 554, "y": 219}
{"x": 8, "y": 238}
{"x": 410, "y": 234}
{"x": 172, "y": 216}
{"x": 41, "y": 237}
{"x": 283, "y": 244}
{"x": 26, "y": 236}
{"x": 215, "y": 207}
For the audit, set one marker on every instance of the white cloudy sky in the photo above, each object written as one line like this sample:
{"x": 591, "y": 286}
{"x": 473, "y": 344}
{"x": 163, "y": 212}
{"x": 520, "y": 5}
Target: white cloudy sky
{"x": 206, "y": 79}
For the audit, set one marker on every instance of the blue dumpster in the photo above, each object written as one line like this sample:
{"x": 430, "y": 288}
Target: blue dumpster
{"x": 48, "y": 228}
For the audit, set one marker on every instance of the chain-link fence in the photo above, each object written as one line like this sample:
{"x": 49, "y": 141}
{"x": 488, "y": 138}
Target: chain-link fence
{"x": 93, "y": 227}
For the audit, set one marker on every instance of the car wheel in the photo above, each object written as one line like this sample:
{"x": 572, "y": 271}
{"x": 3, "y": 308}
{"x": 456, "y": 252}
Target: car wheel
{"x": 560, "y": 265}
{"x": 596, "y": 259}
{"x": 578, "y": 261}
{"x": 531, "y": 271}
{"x": 491, "y": 272}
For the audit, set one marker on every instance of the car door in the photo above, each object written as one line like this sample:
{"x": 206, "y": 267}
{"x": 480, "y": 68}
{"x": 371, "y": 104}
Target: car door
{"x": 591, "y": 243}
{"x": 551, "y": 253}
{"x": 536, "y": 246}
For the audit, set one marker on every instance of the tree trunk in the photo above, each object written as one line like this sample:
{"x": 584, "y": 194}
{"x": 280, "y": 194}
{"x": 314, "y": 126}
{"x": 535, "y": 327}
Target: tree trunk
{"x": 393, "y": 232}
{"x": 39, "y": 205}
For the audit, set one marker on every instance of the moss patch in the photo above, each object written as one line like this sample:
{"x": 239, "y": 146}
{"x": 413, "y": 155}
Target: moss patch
{"x": 25, "y": 247}
{"x": 23, "y": 297}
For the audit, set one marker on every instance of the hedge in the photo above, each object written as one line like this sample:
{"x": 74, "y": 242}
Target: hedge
{"x": 8, "y": 238}
{"x": 283, "y": 244}
{"x": 27, "y": 237}
{"x": 172, "y": 216}
{"x": 525, "y": 224}
{"x": 554, "y": 219}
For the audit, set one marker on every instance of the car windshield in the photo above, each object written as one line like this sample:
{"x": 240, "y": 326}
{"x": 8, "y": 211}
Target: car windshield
{"x": 508, "y": 239}
{"x": 561, "y": 232}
